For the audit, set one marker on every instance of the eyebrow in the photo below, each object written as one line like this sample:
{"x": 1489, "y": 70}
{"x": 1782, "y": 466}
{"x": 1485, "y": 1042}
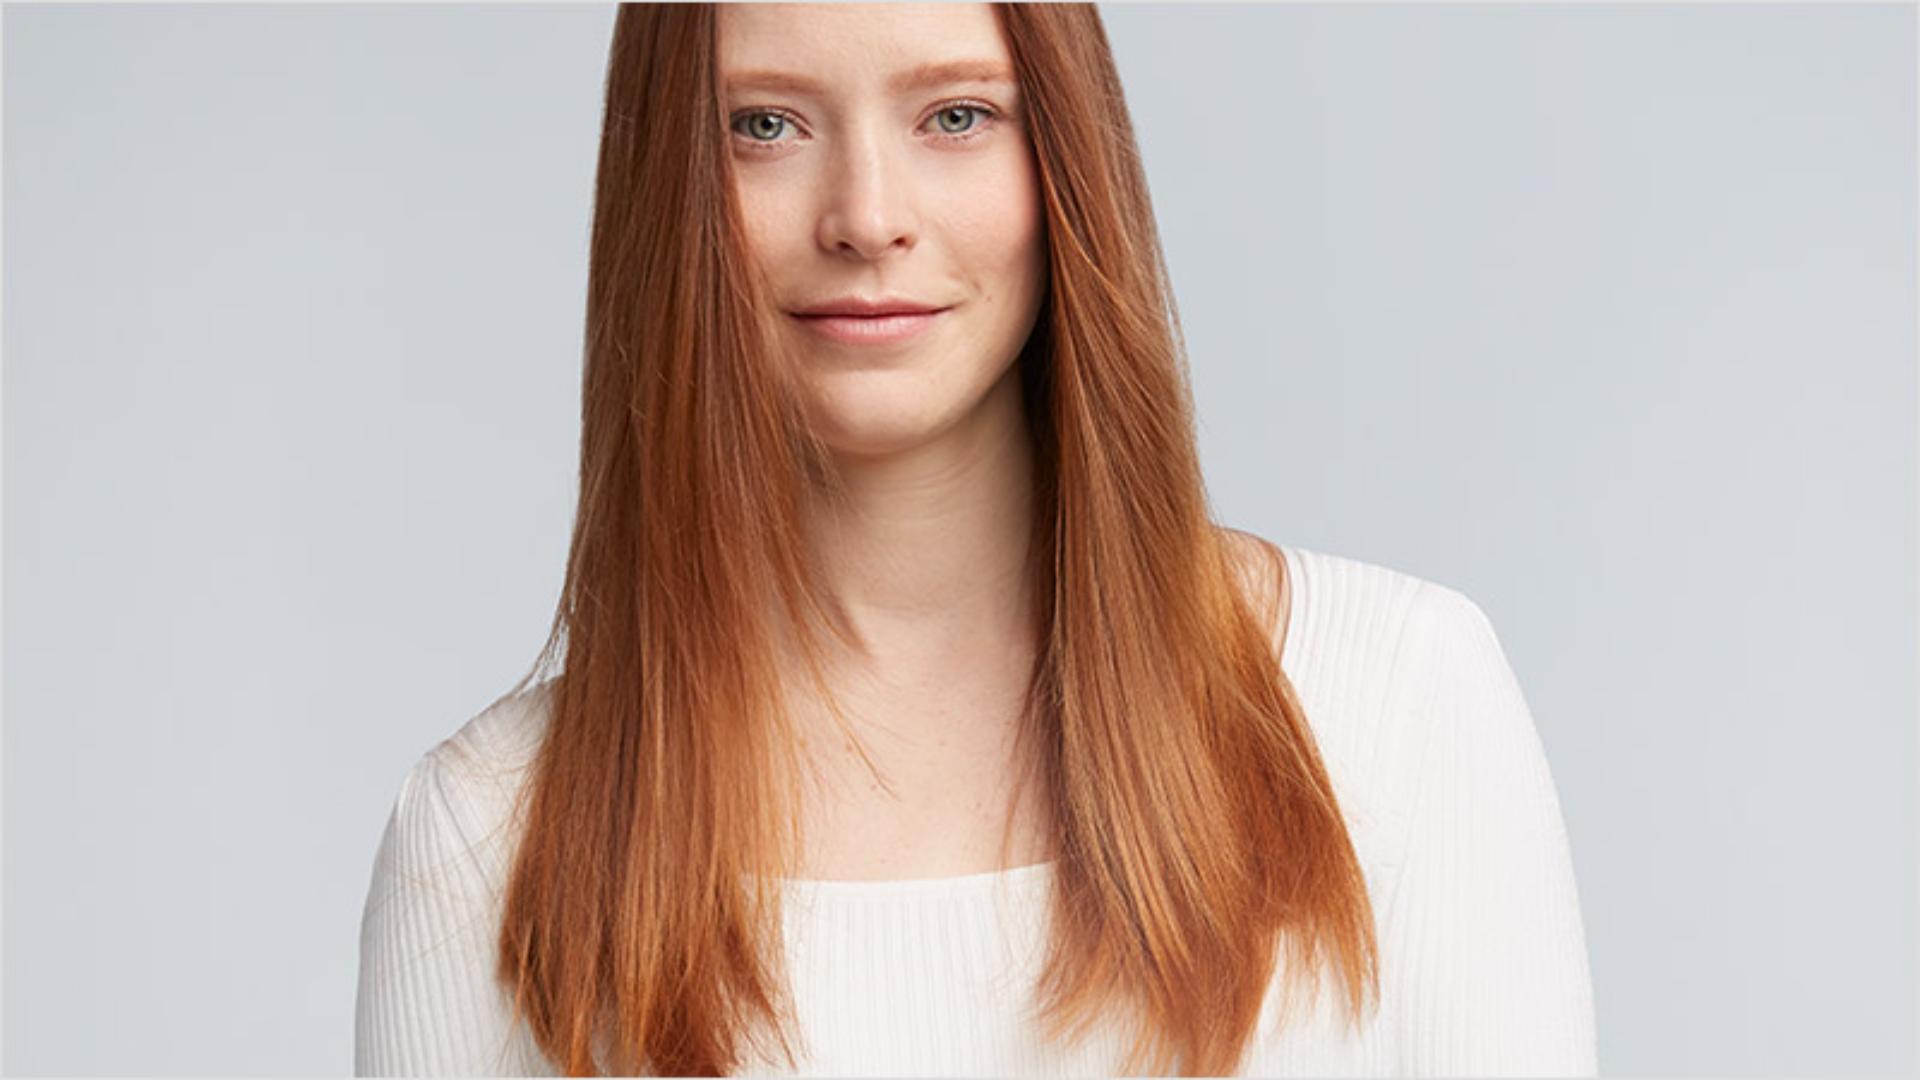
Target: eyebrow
{"x": 940, "y": 73}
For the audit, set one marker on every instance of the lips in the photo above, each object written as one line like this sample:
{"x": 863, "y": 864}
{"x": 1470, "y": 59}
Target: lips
{"x": 872, "y": 329}
{"x": 859, "y": 309}
{"x": 868, "y": 305}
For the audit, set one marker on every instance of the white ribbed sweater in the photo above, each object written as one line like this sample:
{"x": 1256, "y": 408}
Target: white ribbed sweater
{"x": 1434, "y": 760}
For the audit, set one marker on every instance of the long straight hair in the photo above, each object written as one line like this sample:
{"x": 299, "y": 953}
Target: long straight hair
{"x": 1197, "y": 833}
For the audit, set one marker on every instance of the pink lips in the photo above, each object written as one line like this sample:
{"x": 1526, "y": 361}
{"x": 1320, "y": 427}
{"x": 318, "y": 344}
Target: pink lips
{"x": 870, "y": 329}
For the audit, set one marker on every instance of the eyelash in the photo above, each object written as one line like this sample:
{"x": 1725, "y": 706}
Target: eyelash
{"x": 989, "y": 116}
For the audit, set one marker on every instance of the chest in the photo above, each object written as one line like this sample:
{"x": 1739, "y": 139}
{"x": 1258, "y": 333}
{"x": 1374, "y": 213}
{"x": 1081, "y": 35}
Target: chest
{"x": 942, "y": 788}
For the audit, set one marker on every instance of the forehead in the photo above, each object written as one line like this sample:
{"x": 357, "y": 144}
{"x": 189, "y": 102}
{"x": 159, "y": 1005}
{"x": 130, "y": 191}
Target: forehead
{"x": 892, "y": 47}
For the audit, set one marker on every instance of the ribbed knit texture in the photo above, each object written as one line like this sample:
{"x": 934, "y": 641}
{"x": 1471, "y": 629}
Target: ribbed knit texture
{"x": 1434, "y": 759}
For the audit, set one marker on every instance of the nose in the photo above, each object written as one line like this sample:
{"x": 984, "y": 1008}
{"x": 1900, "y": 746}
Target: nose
{"x": 870, "y": 207}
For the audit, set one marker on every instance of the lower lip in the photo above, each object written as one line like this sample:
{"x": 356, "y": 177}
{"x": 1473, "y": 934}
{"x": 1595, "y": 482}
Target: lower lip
{"x": 870, "y": 329}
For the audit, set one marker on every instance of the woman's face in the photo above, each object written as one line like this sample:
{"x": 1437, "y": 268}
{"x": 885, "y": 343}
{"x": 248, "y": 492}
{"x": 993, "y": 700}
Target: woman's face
{"x": 866, "y": 173}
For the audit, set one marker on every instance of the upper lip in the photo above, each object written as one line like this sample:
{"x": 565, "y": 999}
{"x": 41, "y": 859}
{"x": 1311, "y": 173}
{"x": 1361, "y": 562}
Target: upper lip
{"x": 868, "y": 306}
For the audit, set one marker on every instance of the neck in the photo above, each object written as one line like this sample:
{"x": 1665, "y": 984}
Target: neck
{"x": 927, "y": 555}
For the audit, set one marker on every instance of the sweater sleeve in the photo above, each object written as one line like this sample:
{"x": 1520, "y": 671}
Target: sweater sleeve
{"x": 1482, "y": 938}
{"x": 427, "y": 1002}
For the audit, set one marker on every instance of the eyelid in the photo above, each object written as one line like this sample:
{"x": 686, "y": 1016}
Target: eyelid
{"x": 990, "y": 115}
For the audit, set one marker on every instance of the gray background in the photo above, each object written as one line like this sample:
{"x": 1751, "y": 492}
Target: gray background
{"x": 1604, "y": 315}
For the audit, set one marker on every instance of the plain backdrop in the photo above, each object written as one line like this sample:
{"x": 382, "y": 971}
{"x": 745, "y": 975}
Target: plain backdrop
{"x": 1603, "y": 314}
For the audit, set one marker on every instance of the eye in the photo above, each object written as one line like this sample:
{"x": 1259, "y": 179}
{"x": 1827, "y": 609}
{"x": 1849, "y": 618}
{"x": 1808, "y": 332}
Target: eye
{"x": 964, "y": 110}
{"x": 763, "y": 119}
{"x": 770, "y": 122}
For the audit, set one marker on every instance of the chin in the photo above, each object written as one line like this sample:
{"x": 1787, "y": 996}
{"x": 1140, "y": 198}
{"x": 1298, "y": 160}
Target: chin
{"x": 886, "y": 438}
{"x": 881, "y": 413}
{"x": 874, "y": 425}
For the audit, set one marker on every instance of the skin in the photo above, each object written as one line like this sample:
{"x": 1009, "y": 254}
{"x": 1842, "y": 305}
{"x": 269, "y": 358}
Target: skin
{"x": 860, "y": 187}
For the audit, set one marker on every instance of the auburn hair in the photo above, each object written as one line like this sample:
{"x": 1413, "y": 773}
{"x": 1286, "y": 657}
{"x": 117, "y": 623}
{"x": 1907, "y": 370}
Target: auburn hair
{"x": 1196, "y": 831}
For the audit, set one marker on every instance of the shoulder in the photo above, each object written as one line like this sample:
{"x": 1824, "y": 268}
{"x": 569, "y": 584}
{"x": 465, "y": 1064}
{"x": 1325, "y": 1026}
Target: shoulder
{"x": 1346, "y": 610}
{"x": 429, "y": 1001}
{"x": 496, "y": 746}
{"x": 1381, "y": 658}
{"x": 1374, "y": 612}
{"x": 460, "y": 798}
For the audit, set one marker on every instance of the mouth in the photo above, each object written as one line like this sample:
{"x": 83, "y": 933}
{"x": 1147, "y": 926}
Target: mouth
{"x": 891, "y": 328}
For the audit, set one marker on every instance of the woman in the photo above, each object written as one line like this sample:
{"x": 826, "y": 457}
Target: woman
{"x": 913, "y": 715}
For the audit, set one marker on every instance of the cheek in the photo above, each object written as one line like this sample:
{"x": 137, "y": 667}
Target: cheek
{"x": 770, "y": 214}
{"x": 999, "y": 222}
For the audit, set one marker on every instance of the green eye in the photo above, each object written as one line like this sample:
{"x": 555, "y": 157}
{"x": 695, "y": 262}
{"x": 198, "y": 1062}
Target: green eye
{"x": 763, "y": 119}
{"x": 962, "y": 110}
{"x": 763, "y": 126}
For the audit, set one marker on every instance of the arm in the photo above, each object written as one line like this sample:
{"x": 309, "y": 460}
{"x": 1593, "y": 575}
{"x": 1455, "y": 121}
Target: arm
{"x": 1484, "y": 947}
{"x": 427, "y": 1002}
